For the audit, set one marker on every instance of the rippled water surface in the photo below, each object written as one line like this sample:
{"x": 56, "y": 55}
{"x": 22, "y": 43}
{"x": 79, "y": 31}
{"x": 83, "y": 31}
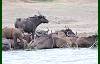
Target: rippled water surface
{"x": 51, "y": 56}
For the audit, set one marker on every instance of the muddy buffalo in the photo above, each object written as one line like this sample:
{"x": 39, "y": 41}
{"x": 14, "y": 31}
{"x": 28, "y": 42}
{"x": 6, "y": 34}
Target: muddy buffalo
{"x": 48, "y": 42}
{"x": 86, "y": 41}
{"x": 43, "y": 42}
{"x": 12, "y": 33}
{"x": 29, "y": 24}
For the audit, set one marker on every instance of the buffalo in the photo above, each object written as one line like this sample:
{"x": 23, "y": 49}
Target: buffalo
{"x": 30, "y": 24}
{"x": 12, "y": 33}
{"x": 43, "y": 42}
{"x": 86, "y": 41}
{"x": 48, "y": 42}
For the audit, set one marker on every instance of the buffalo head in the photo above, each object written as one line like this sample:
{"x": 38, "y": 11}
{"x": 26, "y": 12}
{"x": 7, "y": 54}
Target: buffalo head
{"x": 42, "y": 19}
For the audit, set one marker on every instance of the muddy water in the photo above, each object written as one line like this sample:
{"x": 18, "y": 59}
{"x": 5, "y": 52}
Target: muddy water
{"x": 51, "y": 56}
{"x": 79, "y": 17}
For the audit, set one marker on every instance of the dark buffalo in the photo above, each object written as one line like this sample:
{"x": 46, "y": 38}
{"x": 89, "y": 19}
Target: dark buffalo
{"x": 12, "y": 33}
{"x": 30, "y": 24}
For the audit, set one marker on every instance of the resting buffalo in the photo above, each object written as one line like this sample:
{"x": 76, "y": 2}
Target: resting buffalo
{"x": 62, "y": 41}
{"x": 81, "y": 41}
{"x": 86, "y": 41}
{"x": 43, "y": 42}
{"x": 30, "y": 24}
{"x": 48, "y": 42}
{"x": 12, "y": 33}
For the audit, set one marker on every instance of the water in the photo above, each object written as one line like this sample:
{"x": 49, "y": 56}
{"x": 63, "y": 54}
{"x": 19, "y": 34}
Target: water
{"x": 79, "y": 17}
{"x": 51, "y": 56}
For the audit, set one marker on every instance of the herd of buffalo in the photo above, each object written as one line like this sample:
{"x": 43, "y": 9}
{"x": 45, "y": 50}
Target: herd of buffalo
{"x": 25, "y": 36}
